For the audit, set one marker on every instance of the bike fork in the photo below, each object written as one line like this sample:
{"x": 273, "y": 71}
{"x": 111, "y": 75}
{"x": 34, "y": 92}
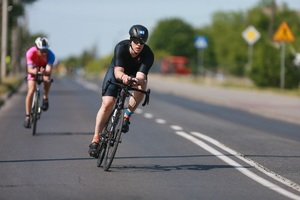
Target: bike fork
{"x": 39, "y": 111}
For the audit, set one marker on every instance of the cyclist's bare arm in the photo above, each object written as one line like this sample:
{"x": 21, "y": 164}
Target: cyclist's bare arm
{"x": 141, "y": 79}
{"x": 32, "y": 70}
{"x": 119, "y": 72}
{"x": 47, "y": 70}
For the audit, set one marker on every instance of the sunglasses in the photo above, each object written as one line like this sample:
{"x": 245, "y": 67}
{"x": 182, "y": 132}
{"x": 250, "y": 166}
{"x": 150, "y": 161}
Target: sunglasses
{"x": 44, "y": 50}
{"x": 138, "y": 41}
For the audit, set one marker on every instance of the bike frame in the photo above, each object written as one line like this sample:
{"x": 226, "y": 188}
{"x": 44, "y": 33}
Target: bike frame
{"x": 36, "y": 110}
{"x": 113, "y": 128}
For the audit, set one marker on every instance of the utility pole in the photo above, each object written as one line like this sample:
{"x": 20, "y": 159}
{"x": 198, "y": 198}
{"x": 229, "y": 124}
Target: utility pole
{"x": 3, "y": 40}
{"x": 15, "y": 43}
{"x": 272, "y": 18}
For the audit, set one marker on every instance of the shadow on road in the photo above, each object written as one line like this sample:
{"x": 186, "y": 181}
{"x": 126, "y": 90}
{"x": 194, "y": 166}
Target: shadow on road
{"x": 62, "y": 133}
{"x": 43, "y": 160}
{"x": 158, "y": 168}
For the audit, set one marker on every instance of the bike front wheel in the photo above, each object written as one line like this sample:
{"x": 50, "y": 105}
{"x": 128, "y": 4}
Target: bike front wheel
{"x": 115, "y": 124}
{"x": 34, "y": 112}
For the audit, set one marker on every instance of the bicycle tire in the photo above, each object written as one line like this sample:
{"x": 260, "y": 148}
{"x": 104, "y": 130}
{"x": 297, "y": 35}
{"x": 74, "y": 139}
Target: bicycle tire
{"x": 101, "y": 154}
{"x": 34, "y": 112}
{"x": 113, "y": 139}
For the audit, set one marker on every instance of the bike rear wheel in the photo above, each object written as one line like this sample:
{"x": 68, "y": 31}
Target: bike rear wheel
{"x": 115, "y": 124}
{"x": 34, "y": 112}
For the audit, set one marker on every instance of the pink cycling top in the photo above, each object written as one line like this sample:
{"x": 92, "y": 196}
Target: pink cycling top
{"x": 34, "y": 59}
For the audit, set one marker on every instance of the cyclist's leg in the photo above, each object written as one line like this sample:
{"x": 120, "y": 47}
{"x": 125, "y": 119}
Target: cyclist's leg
{"x": 108, "y": 98}
{"x": 103, "y": 113}
{"x": 137, "y": 97}
{"x": 134, "y": 102}
{"x": 47, "y": 85}
{"x": 30, "y": 91}
{"x": 101, "y": 119}
{"x": 28, "y": 101}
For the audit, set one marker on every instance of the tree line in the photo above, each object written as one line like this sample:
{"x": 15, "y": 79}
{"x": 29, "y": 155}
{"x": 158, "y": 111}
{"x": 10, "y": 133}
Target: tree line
{"x": 227, "y": 50}
{"x": 18, "y": 36}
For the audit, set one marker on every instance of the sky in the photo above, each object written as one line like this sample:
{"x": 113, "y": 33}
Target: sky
{"x": 73, "y": 26}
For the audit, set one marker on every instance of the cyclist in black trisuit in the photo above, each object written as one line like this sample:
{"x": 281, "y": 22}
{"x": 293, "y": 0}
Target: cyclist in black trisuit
{"x": 132, "y": 60}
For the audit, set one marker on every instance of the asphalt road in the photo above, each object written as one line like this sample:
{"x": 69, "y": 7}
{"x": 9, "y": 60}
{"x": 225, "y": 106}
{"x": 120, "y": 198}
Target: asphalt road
{"x": 177, "y": 148}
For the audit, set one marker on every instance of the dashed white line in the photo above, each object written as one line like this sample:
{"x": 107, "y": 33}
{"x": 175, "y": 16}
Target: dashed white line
{"x": 237, "y": 166}
{"x": 176, "y": 128}
{"x": 148, "y": 115}
{"x": 160, "y": 121}
{"x": 138, "y": 111}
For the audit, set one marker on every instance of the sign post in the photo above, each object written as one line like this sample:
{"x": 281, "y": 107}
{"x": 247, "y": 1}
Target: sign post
{"x": 201, "y": 44}
{"x": 282, "y": 35}
{"x": 4, "y": 39}
{"x": 251, "y": 35}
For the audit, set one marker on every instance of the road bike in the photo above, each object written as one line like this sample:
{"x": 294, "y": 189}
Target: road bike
{"x": 36, "y": 108}
{"x": 111, "y": 134}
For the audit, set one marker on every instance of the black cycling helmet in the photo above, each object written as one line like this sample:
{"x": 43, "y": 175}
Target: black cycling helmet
{"x": 139, "y": 32}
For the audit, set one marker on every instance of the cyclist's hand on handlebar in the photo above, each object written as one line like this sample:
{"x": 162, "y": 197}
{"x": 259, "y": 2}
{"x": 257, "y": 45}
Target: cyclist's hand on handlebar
{"x": 127, "y": 80}
{"x": 134, "y": 81}
{"x": 34, "y": 71}
{"x": 42, "y": 70}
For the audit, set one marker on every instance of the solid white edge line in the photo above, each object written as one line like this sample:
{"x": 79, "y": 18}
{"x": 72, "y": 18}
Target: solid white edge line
{"x": 261, "y": 168}
{"x": 237, "y": 166}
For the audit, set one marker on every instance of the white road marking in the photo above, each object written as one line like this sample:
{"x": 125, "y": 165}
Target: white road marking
{"x": 237, "y": 166}
{"x": 148, "y": 115}
{"x": 160, "y": 121}
{"x": 218, "y": 154}
{"x": 249, "y": 161}
{"x": 138, "y": 111}
{"x": 176, "y": 128}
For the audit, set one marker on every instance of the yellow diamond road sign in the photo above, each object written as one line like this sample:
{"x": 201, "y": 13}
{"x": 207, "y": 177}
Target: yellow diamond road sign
{"x": 251, "y": 35}
{"x": 283, "y": 34}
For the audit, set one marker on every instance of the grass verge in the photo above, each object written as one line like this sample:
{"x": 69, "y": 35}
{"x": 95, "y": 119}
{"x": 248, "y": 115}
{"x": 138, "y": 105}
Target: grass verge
{"x": 8, "y": 86}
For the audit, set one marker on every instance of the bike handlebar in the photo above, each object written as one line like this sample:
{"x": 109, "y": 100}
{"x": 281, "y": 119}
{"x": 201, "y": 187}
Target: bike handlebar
{"x": 39, "y": 78}
{"x": 128, "y": 88}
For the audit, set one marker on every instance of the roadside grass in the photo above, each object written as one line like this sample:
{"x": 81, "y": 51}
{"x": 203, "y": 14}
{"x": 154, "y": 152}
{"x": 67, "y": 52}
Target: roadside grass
{"x": 8, "y": 85}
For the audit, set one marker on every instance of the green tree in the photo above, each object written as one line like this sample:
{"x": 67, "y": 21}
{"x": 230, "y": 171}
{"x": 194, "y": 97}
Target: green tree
{"x": 173, "y": 36}
{"x": 227, "y": 51}
{"x": 16, "y": 32}
{"x": 266, "y": 65}
{"x": 229, "y": 47}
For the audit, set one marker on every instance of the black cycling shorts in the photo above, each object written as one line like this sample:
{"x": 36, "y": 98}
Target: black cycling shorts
{"x": 112, "y": 90}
